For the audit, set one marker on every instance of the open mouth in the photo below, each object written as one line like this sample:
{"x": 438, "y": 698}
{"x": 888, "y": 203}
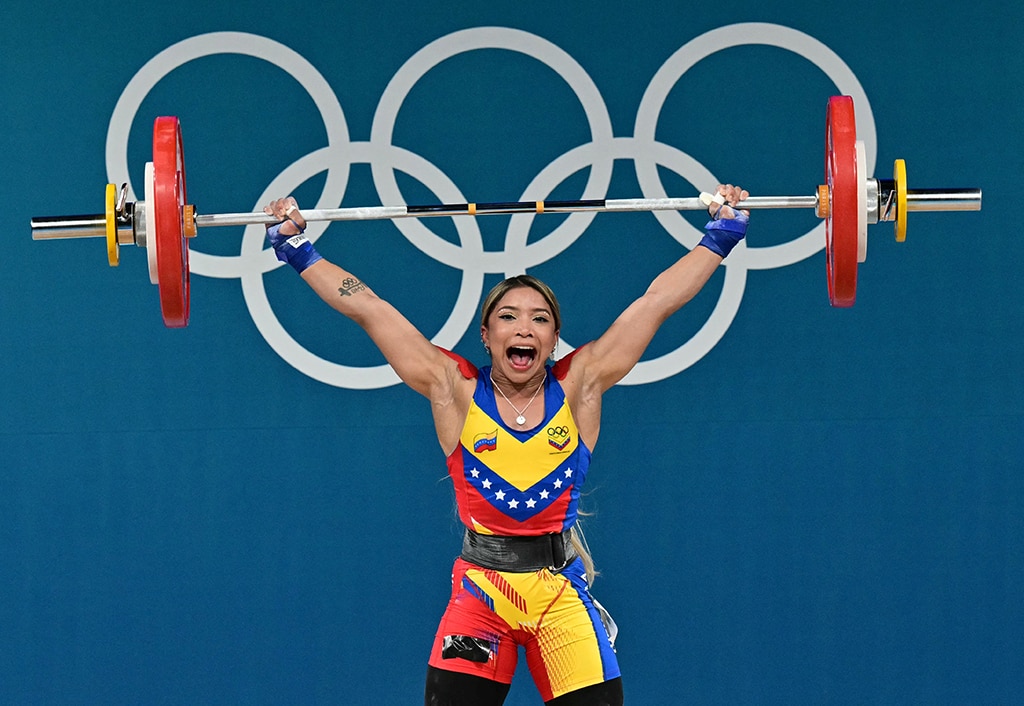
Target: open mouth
{"x": 521, "y": 356}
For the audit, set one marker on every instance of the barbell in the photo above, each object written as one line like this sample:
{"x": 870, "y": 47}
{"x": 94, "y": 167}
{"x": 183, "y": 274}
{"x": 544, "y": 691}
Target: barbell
{"x": 164, "y": 222}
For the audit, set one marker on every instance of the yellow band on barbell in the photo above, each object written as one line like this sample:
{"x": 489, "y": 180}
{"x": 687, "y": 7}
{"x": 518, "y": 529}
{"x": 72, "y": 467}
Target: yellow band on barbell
{"x": 899, "y": 174}
{"x": 113, "y": 252}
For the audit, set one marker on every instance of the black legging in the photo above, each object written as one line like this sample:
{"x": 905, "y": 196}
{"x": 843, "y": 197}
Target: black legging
{"x": 446, "y": 688}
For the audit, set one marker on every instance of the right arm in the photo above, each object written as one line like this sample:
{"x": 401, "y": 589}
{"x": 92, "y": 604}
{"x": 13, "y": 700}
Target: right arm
{"x": 418, "y": 362}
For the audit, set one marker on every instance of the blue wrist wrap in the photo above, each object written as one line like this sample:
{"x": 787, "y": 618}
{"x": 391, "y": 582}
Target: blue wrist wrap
{"x": 723, "y": 234}
{"x": 296, "y": 250}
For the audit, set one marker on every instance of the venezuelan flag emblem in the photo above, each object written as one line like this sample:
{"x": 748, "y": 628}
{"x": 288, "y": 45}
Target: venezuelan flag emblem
{"x": 487, "y": 441}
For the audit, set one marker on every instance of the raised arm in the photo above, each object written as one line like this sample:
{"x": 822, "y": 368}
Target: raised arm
{"x": 607, "y": 360}
{"x": 420, "y": 364}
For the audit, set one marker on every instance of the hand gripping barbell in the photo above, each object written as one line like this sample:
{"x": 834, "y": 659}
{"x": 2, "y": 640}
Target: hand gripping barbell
{"x": 848, "y": 201}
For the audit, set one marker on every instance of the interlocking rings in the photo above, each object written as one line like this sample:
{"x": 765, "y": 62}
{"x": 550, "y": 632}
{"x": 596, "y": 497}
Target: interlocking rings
{"x": 469, "y": 255}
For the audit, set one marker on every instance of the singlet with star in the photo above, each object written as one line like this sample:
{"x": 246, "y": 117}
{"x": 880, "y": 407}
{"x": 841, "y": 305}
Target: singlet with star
{"x": 511, "y": 482}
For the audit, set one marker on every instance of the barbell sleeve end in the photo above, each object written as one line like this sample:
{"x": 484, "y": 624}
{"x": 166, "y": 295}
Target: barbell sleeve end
{"x": 919, "y": 200}
{"x": 61, "y": 227}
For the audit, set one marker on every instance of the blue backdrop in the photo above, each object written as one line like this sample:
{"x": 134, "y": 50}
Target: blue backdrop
{"x": 789, "y": 504}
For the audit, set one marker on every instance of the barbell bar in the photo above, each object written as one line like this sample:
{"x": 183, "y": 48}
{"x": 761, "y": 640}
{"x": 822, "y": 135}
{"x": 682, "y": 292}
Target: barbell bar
{"x": 164, "y": 221}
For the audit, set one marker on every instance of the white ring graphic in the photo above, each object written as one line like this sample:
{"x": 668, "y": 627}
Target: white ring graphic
{"x": 469, "y": 255}
{"x": 721, "y": 317}
{"x": 208, "y": 45}
{"x": 358, "y": 378}
{"x": 491, "y": 38}
{"x": 740, "y": 35}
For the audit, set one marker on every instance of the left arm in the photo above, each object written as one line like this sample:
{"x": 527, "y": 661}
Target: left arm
{"x": 608, "y": 359}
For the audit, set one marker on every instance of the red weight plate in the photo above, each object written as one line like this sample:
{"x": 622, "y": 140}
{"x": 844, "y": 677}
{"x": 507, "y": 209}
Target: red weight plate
{"x": 841, "y": 223}
{"x": 169, "y": 237}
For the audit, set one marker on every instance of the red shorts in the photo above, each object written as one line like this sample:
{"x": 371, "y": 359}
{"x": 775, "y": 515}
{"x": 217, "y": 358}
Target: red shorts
{"x": 492, "y": 613}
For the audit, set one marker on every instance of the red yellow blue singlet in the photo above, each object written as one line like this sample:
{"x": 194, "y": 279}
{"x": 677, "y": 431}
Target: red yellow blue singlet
{"x": 510, "y": 482}
{"x": 513, "y": 483}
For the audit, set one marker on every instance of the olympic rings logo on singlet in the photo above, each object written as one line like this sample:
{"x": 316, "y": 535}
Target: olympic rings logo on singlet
{"x": 559, "y": 437}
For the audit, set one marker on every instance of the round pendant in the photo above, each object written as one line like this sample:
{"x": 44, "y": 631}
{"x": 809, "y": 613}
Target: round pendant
{"x": 520, "y": 420}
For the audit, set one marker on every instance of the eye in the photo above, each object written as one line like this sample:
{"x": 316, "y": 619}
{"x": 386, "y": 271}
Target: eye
{"x": 505, "y": 316}
{"x": 540, "y": 319}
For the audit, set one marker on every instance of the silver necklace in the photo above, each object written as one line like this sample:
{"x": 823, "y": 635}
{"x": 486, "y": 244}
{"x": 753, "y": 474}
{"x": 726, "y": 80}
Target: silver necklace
{"x": 521, "y": 419}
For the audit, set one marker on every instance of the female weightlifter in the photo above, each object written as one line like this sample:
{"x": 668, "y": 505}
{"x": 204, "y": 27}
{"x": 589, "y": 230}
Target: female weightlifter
{"x": 518, "y": 435}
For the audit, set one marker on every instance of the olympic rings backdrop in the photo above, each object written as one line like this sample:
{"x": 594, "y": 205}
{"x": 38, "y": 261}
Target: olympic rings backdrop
{"x": 789, "y": 503}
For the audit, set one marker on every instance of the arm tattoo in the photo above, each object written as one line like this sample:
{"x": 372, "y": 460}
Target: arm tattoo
{"x": 349, "y": 286}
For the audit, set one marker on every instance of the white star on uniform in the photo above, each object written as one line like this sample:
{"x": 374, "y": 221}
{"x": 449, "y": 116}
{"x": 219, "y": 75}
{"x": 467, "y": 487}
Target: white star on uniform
{"x": 475, "y": 473}
{"x": 500, "y": 495}
{"x": 530, "y": 503}
{"x": 544, "y": 495}
{"x": 558, "y": 483}
{"x": 486, "y": 484}
{"x": 568, "y": 473}
{"x": 513, "y": 504}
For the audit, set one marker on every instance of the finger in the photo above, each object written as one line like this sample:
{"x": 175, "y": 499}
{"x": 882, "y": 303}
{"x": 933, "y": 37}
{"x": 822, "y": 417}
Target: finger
{"x": 743, "y": 196}
{"x": 293, "y": 214}
{"x": 729, "y": 192}
{"x": 280, "y": 208}
{"x": 715, "y": 203}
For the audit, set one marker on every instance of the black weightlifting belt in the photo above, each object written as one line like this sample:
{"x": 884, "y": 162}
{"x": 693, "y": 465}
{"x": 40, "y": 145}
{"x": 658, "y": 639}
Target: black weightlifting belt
{"x": 518, "y": 554}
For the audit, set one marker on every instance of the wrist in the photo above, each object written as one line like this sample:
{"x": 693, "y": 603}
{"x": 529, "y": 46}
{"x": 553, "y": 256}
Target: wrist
{"x": 722, "y": 235}
{"x": 295, "y": 248}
